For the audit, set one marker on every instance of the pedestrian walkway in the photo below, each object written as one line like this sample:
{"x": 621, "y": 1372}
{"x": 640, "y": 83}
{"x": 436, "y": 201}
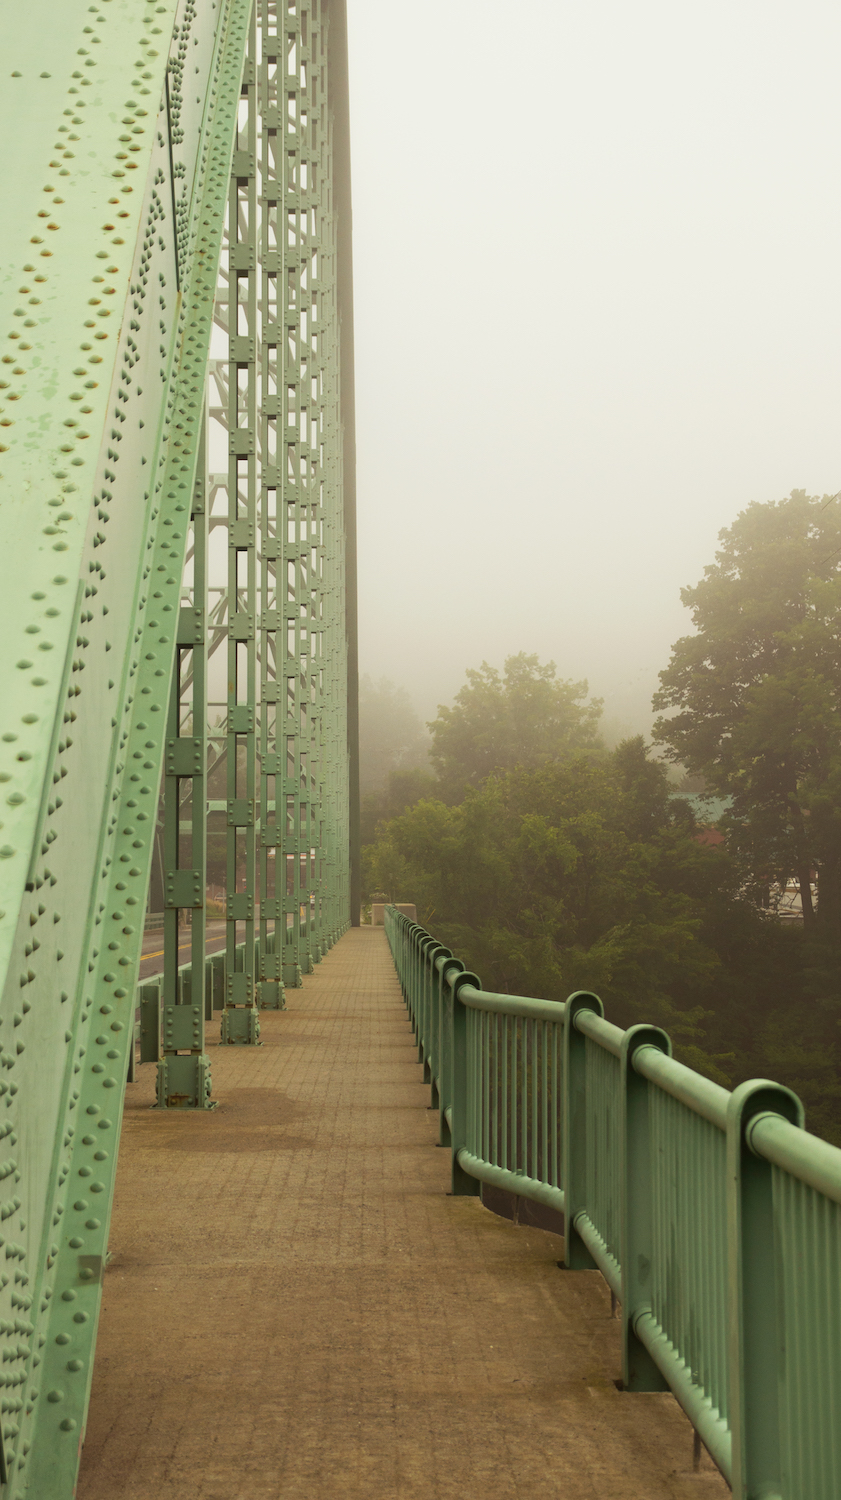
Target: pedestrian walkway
{"x": 296, "y": 1310}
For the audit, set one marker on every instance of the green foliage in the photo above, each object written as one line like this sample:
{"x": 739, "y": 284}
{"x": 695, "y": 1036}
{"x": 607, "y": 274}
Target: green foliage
{"x": 549, "y": 865}
{"x": 391, "y": 736}
{"x": 587, "y": 874}
{"x": 573, "y": 875}
{"x": 754, "y": 697}
{"x": 526, "y": 717}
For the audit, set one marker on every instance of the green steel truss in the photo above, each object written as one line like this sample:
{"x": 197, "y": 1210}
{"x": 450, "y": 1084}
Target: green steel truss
{"x": 137, "y": 129}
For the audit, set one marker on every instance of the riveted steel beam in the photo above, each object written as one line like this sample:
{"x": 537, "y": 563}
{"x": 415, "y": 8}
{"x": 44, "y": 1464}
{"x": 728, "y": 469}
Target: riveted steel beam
{"x": 273, "y": 709}
{"x": 106, "y": 311}
{"x": 307, "y": 595}
{"x": 184, "y": 1080}
{"x": 113, "y": 203}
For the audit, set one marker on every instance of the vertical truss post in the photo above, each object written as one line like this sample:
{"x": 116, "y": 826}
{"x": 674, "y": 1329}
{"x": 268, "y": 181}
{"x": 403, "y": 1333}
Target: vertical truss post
{"x": 333, "y": 829}
{"x": 298, "y": 80}
{"x": 342, "y": 215}
{"x": 313, "y": 684}
{"x": 285, "y": 414}
{"x": 184, "y": 1069}
{"x": 272, "y": 805}
{"x": 240, "y": 1021}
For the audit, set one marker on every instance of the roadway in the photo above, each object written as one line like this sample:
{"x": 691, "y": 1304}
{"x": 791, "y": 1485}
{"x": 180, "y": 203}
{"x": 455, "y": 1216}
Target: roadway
{"x": 152, "y": 953}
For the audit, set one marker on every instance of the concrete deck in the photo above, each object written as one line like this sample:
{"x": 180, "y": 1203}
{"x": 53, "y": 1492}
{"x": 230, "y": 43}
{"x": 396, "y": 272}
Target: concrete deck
{"x": 296, "y": 1310}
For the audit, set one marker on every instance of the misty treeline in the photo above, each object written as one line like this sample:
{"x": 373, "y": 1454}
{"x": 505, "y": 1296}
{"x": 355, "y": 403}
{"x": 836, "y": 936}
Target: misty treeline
{"x": 549, "y": 862}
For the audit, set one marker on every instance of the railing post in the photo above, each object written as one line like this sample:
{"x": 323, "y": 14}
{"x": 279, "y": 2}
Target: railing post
{"x": 399, "y": 944}
{"x": 756, "y": 1338}
{"x": 436, "y": 951}
{"x": 445, "y": 1043}
{"x": 412, "y": 932}
{"x": 403, "y": 950}
{"x": 639, "y": 1372}
{"x": 576, "y": 1255}
{"x": 425, "y": 946}
{"x": 463, "y": 1185}
{"x": 406, "y": 975}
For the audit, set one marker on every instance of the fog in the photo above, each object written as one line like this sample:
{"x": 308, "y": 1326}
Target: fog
{"x": 596, "y": 256}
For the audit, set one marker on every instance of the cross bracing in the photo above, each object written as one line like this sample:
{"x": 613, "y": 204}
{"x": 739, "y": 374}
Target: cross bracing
{"x": 176, "y": 461}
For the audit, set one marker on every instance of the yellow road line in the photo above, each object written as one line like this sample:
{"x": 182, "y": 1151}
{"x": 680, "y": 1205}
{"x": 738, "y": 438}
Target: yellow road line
{"x": 144, "y": 956}
{"x": 181, "y": 946}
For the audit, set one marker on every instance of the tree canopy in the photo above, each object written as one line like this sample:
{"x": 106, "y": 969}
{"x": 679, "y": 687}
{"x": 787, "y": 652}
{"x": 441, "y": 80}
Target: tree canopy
{"x": 582, "y": 874}
{"x": 754, "y": 696}
{"x": 525, "y": 716}
{"x": 565, "y": 869}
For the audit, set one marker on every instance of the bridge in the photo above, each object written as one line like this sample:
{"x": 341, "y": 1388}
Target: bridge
{"x": 294, "y": 1291}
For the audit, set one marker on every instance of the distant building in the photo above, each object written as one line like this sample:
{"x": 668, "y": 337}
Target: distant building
{"x": 707, "y": 812}
{"x": 783, "y": 902}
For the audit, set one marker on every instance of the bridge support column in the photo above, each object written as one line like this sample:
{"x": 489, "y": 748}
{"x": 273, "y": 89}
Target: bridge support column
{"x": 240, "y": 1022}
{"x": 184, "y": 1080}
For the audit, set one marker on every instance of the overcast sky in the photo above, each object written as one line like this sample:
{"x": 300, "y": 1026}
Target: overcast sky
{"x": 596, "y": 278}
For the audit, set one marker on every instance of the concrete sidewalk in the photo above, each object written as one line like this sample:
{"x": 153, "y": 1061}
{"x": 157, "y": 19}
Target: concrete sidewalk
{"x": 296, "y": 1310}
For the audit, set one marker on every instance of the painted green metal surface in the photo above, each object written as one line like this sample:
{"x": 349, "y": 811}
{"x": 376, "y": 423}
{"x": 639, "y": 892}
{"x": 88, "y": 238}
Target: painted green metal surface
{"x": 305, "y": 766}
{"x": 715, "y": 1218}
{"x": 240, "y": 1021}
{"x": 184, "y": 1077}
{"x": 273, "y": 822}
{"x": 288, "y": 756}
{"x": 104, "y": 325}
{"x": 136, "y": 128}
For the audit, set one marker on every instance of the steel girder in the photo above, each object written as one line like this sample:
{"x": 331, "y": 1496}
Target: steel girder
{"x": 286, "y": 401}
{"x": 135, "y": 128}
{"x": 128, "y": 148}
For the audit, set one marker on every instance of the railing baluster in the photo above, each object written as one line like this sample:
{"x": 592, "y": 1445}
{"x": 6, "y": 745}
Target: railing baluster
{"x": 533, "y": 1031}
{"x": 524, "y": 1096}
{"x": 513, "y": 1142}
{"x": 544, "y": 1101}
{"x": 504, "y": 1103}
{"x": 556, "y": 1105}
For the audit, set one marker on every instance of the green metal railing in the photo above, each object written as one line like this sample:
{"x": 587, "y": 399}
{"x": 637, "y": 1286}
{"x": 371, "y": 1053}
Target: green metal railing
{"x": 714, "y": 1217}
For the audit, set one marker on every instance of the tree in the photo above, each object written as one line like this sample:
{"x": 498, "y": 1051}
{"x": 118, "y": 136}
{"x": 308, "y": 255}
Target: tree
{"x": 576, "y": 875}
{"x": 391, "y": 736}
{"x": 589, "y": 874}
{"x": 526, "y": 717}
{"x": 754, "y": 697}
